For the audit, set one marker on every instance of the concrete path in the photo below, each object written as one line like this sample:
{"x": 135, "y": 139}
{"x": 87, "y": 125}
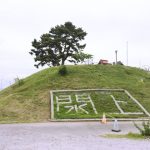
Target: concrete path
{"x": 67, "y": 136}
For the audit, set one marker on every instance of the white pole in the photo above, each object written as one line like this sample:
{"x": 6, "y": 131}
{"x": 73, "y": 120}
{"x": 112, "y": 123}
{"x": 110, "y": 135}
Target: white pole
{"x": 1, "y": 85}
{"x": 116, "y": 56}
{"x": 127, "y": 51}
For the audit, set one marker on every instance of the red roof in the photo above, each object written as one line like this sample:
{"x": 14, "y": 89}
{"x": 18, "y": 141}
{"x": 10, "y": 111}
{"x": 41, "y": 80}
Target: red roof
{"x": 103, "y": 61}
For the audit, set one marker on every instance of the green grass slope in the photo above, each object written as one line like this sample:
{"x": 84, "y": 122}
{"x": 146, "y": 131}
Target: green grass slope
{"x": 29, "y": 101}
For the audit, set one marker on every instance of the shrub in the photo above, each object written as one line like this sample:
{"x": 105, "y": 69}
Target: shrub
{"x": 63, "y": 70}
{"x": 145, "y": 131}
{"x": 18, "y": 82}
{"x": 119, "y": 63}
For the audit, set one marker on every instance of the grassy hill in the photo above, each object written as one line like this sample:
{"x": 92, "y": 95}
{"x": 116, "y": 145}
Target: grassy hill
{"x": 29, "y": 99}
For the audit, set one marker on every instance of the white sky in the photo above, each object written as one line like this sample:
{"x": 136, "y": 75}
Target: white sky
{"x": 109, "y": 24}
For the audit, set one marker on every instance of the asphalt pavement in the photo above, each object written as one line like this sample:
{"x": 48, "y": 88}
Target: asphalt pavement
{"x": 68, "y": 136}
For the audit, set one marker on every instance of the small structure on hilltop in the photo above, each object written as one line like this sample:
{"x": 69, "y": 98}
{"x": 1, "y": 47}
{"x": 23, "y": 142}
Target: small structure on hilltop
{"x": 103, "y": 62}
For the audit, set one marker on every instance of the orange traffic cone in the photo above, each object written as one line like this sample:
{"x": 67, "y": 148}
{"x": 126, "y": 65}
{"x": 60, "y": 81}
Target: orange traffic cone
{"x": 104, "y": 121}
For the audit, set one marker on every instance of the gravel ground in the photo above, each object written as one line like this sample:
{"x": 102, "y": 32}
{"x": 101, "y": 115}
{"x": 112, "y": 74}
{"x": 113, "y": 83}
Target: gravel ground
{"x": 67, "y": 136}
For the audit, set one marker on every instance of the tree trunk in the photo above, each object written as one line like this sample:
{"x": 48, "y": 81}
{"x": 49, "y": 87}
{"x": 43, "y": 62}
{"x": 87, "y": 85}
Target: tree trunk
{"x": 63, "y": 62}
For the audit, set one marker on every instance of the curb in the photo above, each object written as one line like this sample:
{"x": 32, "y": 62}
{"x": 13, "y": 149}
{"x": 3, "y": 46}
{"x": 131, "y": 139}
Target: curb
{"x": 96, "y": 120}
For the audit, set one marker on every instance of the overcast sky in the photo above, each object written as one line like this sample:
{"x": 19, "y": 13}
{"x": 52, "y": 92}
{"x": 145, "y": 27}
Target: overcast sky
{"x": 109, "y": 24}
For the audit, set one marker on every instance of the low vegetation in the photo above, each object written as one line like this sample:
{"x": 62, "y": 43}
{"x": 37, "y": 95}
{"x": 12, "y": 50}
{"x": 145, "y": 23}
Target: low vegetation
{"x": 102, "y": 102}
{"x": 62, "y": 70}
{"x": 130, "y": 135}
{"x": 30, "y": 100}
{"x": 145, "y": 129}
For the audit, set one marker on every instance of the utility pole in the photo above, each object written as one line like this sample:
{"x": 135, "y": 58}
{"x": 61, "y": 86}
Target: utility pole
{"x": 127, "y": 51}
{"x": 116, "y": 56}
{"x": 1, "y": 85}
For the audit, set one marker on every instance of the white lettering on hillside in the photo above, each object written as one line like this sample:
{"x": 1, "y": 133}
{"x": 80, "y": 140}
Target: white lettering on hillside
{"x": 81, "y": 101}
{"x": 120, "y": 109}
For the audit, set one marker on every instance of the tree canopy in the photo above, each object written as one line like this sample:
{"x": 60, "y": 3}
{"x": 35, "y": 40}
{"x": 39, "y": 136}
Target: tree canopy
{"x": 61, "y": 43}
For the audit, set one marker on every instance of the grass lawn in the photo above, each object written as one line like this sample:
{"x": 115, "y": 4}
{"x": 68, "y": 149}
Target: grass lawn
{"x": 93, "y": 103}
{"x": 130, "y": 135}
{"x": 29, "y": 99}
